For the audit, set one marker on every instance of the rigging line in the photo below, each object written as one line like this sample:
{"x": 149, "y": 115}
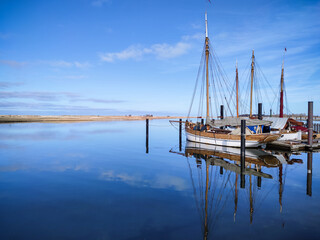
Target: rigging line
{"x": 201, "y": 99}
{"x": 229, "y": 107}
{"x": 217, "y": 215}
{"x": 194, "y": 189}
{"x": 218, "y": 83}
{"x": 215, "y": 83}
{"x": 219, "y": 63}
{"x": 266, "y": 79}
{"x": 286, "y": 97}
{"x": 215, "y": 80}
{"x": 223, "y": 76}
{"x": 195, "y": 87}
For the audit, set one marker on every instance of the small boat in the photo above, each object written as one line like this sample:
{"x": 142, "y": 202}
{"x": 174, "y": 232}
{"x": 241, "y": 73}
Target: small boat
{"x": 226, "y": 132}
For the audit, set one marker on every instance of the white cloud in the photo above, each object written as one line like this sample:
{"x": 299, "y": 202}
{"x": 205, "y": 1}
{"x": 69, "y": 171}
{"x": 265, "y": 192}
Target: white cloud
{"x": 136, "y": 52}
{"x": 65, "y": 64}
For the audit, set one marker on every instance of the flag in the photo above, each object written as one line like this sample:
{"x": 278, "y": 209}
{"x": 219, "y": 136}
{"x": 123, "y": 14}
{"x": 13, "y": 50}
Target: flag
{"x": 285, "y": 49}
{"x": 209, "y": 1}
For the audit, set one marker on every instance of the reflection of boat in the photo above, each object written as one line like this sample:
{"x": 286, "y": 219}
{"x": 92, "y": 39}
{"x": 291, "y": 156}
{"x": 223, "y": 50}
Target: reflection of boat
{"x": 211, "y": 198}
{"x": 211, "y": 132}
{"x": 253, "y": 156}
{"x": 215, "y": 174}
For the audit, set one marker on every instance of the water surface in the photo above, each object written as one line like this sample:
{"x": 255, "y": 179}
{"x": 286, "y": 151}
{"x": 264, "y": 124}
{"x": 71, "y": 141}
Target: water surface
{"x": 95, "y": 181}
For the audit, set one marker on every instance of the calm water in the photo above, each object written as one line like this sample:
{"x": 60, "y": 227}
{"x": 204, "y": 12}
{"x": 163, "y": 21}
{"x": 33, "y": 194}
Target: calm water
{"x": 96, "y": 181}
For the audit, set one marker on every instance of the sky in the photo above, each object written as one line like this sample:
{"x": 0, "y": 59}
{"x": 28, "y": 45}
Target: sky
{"x": 108, "y": 57}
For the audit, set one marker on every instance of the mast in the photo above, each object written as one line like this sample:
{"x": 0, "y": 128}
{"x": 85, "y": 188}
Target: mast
{"x": 251, "y": 201}
{"x": 207, "y": 69}
{"x": 237, "y": 86}
{"x": 235, "y": 199}
{"x": 281, "y": 87}
{"x": 252, "y": 74}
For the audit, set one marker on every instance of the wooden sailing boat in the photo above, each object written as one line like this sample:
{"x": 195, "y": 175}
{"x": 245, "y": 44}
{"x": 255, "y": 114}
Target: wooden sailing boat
{"x": 213, "y": 132}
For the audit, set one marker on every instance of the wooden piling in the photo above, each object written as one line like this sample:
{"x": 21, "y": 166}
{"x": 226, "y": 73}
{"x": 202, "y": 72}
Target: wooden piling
{"x": 147, "y": 135}
{"x": 310, "y": 123}
{"x": 180, "y": 134}
{"x": 221, "y": 112}
{"x": 260, "y": 111}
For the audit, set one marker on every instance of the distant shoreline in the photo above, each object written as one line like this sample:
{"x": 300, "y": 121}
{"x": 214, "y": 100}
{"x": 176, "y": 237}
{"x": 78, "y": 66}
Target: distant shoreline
{"x": 77, "y": 118}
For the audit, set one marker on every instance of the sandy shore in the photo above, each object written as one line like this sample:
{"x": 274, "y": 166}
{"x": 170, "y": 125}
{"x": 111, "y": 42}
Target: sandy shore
{"x": 76, "y": 118}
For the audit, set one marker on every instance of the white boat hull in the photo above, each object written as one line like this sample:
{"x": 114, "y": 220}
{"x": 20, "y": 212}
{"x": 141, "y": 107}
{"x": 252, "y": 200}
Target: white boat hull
{"x": 220, "y": 142}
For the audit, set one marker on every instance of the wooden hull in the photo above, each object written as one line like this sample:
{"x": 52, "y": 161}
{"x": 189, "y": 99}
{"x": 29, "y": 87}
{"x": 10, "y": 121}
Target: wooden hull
{"x": 252, "y": 156}
{"x": 229, "y": 140}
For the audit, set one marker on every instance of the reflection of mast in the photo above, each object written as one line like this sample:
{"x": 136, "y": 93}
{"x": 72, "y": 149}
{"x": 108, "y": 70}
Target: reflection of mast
{"x": 280, "y": 186}
{"x": 251, "y": 201}
{"x": 206, "y": 203}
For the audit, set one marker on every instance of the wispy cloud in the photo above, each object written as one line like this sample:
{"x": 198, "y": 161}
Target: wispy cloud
{"x": 49, "y": 107}
{"x": 13, "y": 63}
{"x": 66, "y": 64}
{"x": 4, "y": 35}
{"x": 4, "y": 85}
{"x": 53, "y": 96}
{"x": 136, "y": 52}
{"x": 99, "y": 3}
{"x": 75, "y": 77}
{"x": 158, "y": 181}
{"x": 54, "y": 63}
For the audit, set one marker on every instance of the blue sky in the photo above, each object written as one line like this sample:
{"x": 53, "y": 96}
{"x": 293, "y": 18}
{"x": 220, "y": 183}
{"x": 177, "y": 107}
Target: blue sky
{"x": 108, "y": 57}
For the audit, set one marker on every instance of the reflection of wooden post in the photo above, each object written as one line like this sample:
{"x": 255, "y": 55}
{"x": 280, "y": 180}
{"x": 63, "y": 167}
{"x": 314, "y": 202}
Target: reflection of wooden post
{"x": 221, "y": 170}
{"x": 251, "y": 200}
{"x": 147, "y": 135}
{"x": 310, "y": 123}
{"x": 243, "y": 152}
{"x": 309, "y": 175}
{"x": 235, "y": 199}
{"x": 259, "y": 178}
{"x": 180, "y": 133}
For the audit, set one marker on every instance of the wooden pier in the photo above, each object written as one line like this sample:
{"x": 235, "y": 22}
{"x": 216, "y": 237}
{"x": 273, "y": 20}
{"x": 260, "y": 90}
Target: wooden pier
{"x": 294, "y": 145}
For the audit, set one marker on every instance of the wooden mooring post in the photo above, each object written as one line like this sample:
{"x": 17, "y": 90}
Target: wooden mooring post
{"x": 243, "y": 153}
{"x": 310, "y": 123}
{"x": 147, "y": 135}
{"x": 260, "y": 111}
{"x": 221, "y": 112}
{"x": 180, "y": 134}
